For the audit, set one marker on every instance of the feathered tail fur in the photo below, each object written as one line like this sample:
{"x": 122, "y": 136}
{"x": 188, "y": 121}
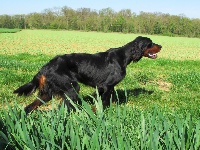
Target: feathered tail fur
{"x": 26, "y": 89}
{"x": 29, "y": 88}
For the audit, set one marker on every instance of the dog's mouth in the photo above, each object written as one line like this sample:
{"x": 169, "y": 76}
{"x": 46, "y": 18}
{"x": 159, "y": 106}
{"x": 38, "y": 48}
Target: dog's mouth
{"x": 153, "y": 56}
{"x": 152, "y": 51}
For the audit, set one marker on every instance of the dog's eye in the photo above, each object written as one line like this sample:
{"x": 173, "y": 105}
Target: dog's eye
{"x": 149, "y": 45}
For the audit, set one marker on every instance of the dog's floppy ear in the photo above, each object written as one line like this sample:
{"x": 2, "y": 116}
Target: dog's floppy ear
{"x": 142, "y": 42}
{"x": 138, "y": 50}
{"x": 142, "y": 45}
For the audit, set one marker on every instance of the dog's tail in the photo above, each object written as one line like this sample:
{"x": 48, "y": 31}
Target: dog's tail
{"x": 29, "y": 88}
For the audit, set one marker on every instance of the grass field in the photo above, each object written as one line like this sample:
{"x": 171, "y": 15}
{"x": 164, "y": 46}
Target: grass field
{"x": 6, "y": 30}
{"x": 170, "y": 83}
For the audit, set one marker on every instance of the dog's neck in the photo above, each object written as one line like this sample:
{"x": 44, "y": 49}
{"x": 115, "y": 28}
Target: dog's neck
{"x": 132, "y": 53}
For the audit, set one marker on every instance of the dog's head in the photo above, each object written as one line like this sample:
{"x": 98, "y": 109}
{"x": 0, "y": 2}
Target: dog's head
{"x": 147, "y": 47}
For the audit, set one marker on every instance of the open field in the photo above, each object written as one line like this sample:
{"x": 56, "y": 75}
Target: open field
{"x": 170, "y": 83}
{"x": 6, "y": 30}
{"x": 58, "y": 42}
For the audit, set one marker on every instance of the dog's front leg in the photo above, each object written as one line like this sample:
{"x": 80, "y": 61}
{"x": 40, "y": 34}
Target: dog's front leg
{"x": 71, "y": 92}
{"x": 107, "y": 95}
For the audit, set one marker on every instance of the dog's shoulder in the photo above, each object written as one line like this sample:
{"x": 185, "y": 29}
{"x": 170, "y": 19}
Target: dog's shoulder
{"x": 111, "y": 50}
{"x": 114, "y": 53}
{"x": 107, "y": 55}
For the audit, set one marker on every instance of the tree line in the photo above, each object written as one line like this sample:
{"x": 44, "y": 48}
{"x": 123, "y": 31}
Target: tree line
{"x": 105, "y": 20}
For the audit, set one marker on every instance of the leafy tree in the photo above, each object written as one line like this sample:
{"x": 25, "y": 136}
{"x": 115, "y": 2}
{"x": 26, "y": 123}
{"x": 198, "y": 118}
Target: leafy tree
{"x": 106, "y": 20}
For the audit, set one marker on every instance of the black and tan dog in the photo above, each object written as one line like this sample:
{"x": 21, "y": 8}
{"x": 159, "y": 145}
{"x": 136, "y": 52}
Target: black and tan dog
{"x": 103, "y": 70}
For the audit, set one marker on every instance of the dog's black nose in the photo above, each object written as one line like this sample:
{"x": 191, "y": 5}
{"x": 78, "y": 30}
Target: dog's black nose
{"x": 160, "y": 46}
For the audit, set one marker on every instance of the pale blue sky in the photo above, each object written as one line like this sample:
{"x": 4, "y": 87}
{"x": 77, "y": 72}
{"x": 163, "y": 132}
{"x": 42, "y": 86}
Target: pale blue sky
{"x": 190, "y": 8}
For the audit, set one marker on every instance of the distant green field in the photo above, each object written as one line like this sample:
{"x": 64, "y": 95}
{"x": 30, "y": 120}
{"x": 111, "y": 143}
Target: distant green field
{"x": 169, "y": 83}
{"x": 6, "y": 30}
{"x": 59, "y": 42}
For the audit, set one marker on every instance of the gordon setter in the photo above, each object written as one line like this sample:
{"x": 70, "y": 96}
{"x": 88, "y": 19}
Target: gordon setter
{"x": 60, "y": 76}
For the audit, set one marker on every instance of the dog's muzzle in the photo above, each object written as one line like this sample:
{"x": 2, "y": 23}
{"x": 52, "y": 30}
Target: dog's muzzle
{"x": 152, "y": 52}
{"x": 153, "y": 56}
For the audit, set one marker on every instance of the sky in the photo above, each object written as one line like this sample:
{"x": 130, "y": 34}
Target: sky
{"x": 188, "y": 8}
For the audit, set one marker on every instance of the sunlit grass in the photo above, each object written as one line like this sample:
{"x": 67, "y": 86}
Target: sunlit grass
{"x": 122, "y": 127}
{"x": 60, "y": 42}
{"x": 6, "y": 30}
{"x": 24, "y": 53}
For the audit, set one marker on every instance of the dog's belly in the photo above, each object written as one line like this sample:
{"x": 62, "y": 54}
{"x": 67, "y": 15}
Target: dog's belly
{"x": 99, "y": 79}
{"x": 91, "y": 81}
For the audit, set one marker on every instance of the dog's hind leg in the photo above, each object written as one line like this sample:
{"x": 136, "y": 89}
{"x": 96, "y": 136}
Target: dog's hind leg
{"x": 44, "y": 95}
{"x": 38, "y": 102}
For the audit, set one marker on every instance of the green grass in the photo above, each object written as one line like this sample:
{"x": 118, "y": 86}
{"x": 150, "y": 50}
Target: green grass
{"x": 121, "y": 127}
{"x": 162, "y": 95}
{"x": 59, "y": 42}
{"x": 6, "y": 30}
{"x": 159, "y": 84}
